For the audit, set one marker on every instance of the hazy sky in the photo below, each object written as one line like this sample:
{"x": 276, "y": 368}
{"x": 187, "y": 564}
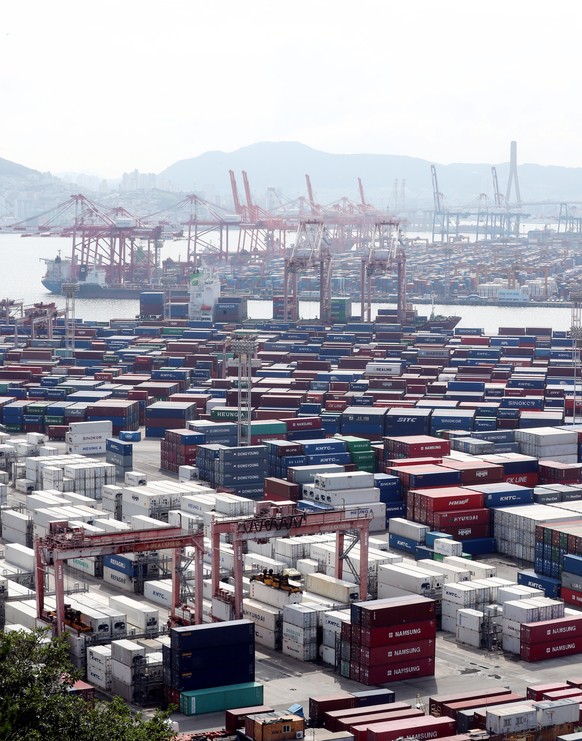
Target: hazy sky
{"x": 106, "y": 86}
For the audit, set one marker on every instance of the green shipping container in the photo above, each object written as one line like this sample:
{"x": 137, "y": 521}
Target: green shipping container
{"x": 355, "y": 444}
{"x": 226, "y": 413}
{"x": 216, "y": 699}
{"x": 267, "y": 428}
{"x": 363, "y": 455}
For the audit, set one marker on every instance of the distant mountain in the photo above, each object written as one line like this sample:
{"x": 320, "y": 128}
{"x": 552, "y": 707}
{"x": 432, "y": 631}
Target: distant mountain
{"x": 10, "y": 169}
{"x": 25, "y": 192}
{"x": 283, "y": 165}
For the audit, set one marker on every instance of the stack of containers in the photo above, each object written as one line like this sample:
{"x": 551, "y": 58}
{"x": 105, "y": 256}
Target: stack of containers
{"x": 553, "y": 542}
{"x": 406, "y": 535}
{"x": 208, "y": 655}
{"x": 366, "y": 422}
{"x": 88, "y": 438}
{"x": 231, "y": 309}
{"x": 168, "y": 415}
{"x": 571, "y": 579}
{"x": 353, "y": 492}
{"x": 151, "y": 304}
{"x": 127, "y": 572}
{"x": 125, "y": 656}
{"x": 242, "y": 470}
{"x": 331, "y": 636}
{"x": 515, "y": 528}
{"x": 99, "y": 666}
{"x": 534, "y": 610}
{"x": 549, "y": 443}
{"x": 550, "y": 639}
{"x": 267, "y": 620}
{"x": 396, "y": 580}
{"x": 474, "y": 595}
{"x": 178, "y": 448}
{"x": 361, "y": 452}
{"x": 300, "y": 640}
{"x": 16, "y": 527}
{"x": 415, "y": 446}
{"x": 122, "y": 413}
{"x": 391, "y": 639}
{"x": 120, "y": 455}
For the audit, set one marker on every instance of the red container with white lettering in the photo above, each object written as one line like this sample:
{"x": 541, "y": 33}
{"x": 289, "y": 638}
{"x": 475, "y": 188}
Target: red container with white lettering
{"x": 552, "y": 630}
{"x": 550, "y": 650}
{"x": 388, "y": 655}
{"x": 397, "y": 634}
{"x": 423, "y": 728}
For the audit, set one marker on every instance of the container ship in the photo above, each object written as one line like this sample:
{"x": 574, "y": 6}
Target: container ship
{"x": 96, "y": 281}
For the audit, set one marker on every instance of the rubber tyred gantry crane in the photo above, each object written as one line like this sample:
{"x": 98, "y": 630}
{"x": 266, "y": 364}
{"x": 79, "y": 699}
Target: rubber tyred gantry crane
{"x": 64, "y": 542}
{"x": 282, "y": 524}
{"x": 311, "y": 251}
{"x": 385, "y": 252}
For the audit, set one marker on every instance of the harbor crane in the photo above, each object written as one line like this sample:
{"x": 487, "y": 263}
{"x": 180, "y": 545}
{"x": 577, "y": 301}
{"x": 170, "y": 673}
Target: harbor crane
{"x": 278, "y": 521}
{"x": 311, "y": 251}
{"x": 63, "y": 543}
{"x": 385, "y": 252}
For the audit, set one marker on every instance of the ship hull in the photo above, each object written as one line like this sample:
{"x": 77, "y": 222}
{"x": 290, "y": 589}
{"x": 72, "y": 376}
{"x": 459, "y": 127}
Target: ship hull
{"x": 94, "y": 290}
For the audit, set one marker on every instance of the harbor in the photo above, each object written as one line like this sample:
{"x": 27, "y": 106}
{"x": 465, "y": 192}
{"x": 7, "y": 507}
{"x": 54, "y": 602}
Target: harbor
{"x": 447, "y": 450}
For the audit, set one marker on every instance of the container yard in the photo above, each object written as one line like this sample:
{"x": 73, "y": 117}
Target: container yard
{"x": 362, "y": 527}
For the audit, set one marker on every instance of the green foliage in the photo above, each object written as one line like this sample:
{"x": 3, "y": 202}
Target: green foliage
{"x": 35, "y": 701}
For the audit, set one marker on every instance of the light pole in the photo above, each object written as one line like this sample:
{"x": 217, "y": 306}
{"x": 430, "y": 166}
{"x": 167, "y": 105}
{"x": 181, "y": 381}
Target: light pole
{"x": 243, "y": 347}
{"x": 70, "y": 290}
{"x": 576, "y": 335}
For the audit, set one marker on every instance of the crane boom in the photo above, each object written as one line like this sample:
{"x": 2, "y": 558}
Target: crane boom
{"x": 437, "y": 195}
{"x": 362, "y": 196}
{"x": 312, "y": 203}
{"x": 235, "y": 198}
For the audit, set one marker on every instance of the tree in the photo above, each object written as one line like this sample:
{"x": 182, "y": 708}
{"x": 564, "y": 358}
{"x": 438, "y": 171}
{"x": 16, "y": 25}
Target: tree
{"x": 36, "y": 703}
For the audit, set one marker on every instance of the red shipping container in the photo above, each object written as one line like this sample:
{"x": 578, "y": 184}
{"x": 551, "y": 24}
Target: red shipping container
{"x": 331, "y": 719}
{"x": 571, "y": 597}
{"x": 474, "y": 472}
{"x": 452, "y": 708}
{"x": 399, "y": 462}
{"x": 467, "y": 532}
{"x": 435, "y": 704}
{"x": 303, "y": 423}
{"x": 396, "y": 654}
{"x": 573, "y": 692}
{"x": 423, "y": 728}
{"x": 551, "y": 630}
{"x": 396, "y": 672}
{"x": 462, "y": 517}
{"x": 417, "y": 446}
{"x": 362, "y": 722}
{"x": 523, "y": 479}
{"x": 282, "y": 488}
{"x": 320, "y": 705}
{"x": 552, "y": 650}
{"x": 448, "y": 498}
{"x": 394, "y": 611}
{"x": 395, "y": 635}
{"x": 536, "y": 691}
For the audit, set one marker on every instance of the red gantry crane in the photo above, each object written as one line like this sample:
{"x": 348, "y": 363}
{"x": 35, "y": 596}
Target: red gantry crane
{"x": 286, "y": 522}
{"x": 64, "y": 542}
